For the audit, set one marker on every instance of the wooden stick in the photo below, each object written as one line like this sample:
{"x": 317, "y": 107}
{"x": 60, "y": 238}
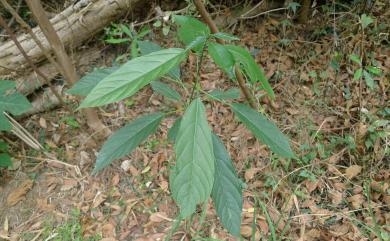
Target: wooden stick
{"x": 13, "y": 37}
{"x": 214, "y": 29}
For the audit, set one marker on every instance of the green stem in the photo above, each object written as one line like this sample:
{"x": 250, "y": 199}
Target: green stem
{"x": 196, "y": 84}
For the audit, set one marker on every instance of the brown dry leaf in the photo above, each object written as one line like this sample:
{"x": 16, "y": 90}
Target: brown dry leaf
{"x": 353, "y": 171}
{"x": 69, "y": 184}
{"x": 115, "y": 179}
{"x": 99, "y": 199}
{"x": 108, "y": 230}
{"x": 246, "y": 231}
{"x": 19, "y": 193}
{"x": 42, "y": 123}
{"x": 250, "y": 173}
{"x": 108, "y": 239}
{"x": 356, "y": 200}
{"x": 158, "y": 217}
{"x": 43, "y": 205}
{"x": 337, "y": 197}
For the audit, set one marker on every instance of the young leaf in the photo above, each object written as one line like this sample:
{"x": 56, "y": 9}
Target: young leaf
{"x": 365, "y": 20}
{"x": 233, "y": 93}
{"x": 254, "y": 71}
{"x": 226, "y": 193}
{"x": 369, "y": 80}
{"x": 84, "y": 86}
{"x": 225, "y": 36}
{"x": 165, "y": 90}
{"x": 263, "y": 129}
{"x": 358, "y": 74}
{"x": 147, "y": 47}
{"x": 222, "y": 57}
{"x": 117, "y": 40}
{"x": 172, "y": 133}
{"x": 124, "y": 140}
{"x": 4, "y": 123}
{"x": 355, "y": 58}
{"x": 190, "y": 28}
{"x": 193, "y": 178}
{"x": 374, "y": 70}
{"x": 132, "y": 76}
{"x": 5, "y": 160}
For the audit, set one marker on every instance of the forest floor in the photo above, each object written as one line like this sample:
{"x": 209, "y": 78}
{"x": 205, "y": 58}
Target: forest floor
{"x": 337, "y": 189}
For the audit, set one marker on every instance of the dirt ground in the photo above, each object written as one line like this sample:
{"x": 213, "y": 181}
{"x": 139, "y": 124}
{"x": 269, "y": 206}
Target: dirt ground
{"x": 338, "y": 188}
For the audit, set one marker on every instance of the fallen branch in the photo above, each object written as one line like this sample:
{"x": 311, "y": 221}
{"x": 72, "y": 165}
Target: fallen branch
{"x": 74, "y": 25}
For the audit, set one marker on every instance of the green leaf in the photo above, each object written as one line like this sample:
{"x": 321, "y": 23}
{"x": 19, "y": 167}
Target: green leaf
{"x": 5, "y": 160}
{"x": 365, "y": 20}
{"x": 84, "y": 86}
{"x": 374, "y": 70}
{"x": 3, "y": 146}
{"x": 14, "y": 103}
{"x": 198, "y": 44}
{"x": 172, "y": 133}
{"x": 193, "y": 178}
{"x": 165, "y": 90}
{"x": 355, "y": 58}
{"x": 147, "y": 47}
{"x": 225, "y": 36}
{"x": 249, "y": 65}
{"x": 132, "y": 76}
{"x": 233, "y": 93}
{"x": 117, "y": 40}
{"x": 369, "y": 80}
{"x": 6, "y": 85}
{"x": 358, "y": 74}
{"x": 4, "y": 123}
{"x": 190, "y": 28}
{"x": 226, "y": 193}
{"x": 126, "y": 139}
{"x": 263, "y": 129}
{"x": 293, "y": 6}
{"x": 222, "y": 57}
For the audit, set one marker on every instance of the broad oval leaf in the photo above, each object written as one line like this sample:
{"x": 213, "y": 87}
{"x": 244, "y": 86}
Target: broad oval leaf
{"x": 226, "y": 193}
{"x": 6, "y": 85}
{"x": 165, "y": 90}
{"x": 15, "y": 103}
{"x": 172, "y": 133}
{"x": 84, "y": 86}
{"x": 190, "y": 29}
{"x": 222, "y": 57}
{"x": 5, "y": 160}
{"x": 147, "y": 47}
{"x": 132, "y": 76}
{"x": 193, "y": 176}
{"x": 124, "y": 140}
{"x": 254, "y": 71}
{"x": 263, "y": 129}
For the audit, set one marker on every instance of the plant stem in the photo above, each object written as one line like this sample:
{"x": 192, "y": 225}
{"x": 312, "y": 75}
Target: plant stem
{"x": 214, "y": 29}
{"x": 197, "y": 77}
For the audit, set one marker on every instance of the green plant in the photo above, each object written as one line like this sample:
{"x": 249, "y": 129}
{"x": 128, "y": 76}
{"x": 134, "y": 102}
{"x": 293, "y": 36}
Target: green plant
{"x": 203, "y": 166}
{"x": 120, "y": 33}
{"x": 15, "y": 103}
